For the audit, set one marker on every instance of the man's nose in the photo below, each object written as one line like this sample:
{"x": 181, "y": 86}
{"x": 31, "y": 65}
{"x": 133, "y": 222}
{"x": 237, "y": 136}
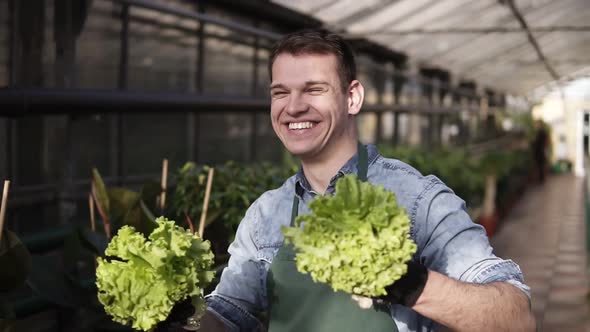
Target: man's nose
{"x": 296, "y": 104}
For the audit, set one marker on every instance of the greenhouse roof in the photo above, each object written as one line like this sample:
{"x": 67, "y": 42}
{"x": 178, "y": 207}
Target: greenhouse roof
{"x": 515, "y": 46}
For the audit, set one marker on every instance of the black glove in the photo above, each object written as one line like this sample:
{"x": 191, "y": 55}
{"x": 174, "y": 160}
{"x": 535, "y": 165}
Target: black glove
{"x": 177, "y": 317}
{"x": 408, "y": 288}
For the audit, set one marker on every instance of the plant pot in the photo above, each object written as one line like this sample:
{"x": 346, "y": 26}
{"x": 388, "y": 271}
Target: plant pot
{"x": 489, "y": 222}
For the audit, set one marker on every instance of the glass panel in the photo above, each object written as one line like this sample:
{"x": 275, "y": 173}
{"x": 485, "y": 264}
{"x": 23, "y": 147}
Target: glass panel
{"x": 224, "y": 137}
{"x": 32, "y": 219}
{"x": 367, "y": 127}
{"x": 404, "y": 129}
{"x": 98, "y": 46}
{"x": 48, "y": 60}
{"x": 53, "y": 148}
{"x": 29, "y": 136}
{"x": 387, "y": 127}
{"x": 149, "y": 138}
{"x": 411, "y": 92}
{"x": 268, "y": 146}
{"x": 34, "y": 50}
{"x": 4, "y": 44}
{"x": 91, "y": 145}
{"x": 263, "y": 75}
{"x": 162, "y": 51}
{"x": 88, "y": 144}
{"x": 388, "y": 96}
{"x": 228, "y": 62}
{"x": 374, "y": 77}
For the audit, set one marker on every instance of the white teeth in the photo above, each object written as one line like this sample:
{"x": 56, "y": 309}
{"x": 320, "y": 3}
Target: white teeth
{"x": 300, "y": 125}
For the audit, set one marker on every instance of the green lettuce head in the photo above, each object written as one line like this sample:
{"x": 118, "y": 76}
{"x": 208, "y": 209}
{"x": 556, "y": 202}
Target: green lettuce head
{"x": 142, "y": 279}
{"x": 356, "y": 241}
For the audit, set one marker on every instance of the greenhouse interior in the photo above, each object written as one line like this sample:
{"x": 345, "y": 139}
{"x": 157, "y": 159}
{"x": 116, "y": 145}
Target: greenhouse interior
{"x": 118, "y": 117}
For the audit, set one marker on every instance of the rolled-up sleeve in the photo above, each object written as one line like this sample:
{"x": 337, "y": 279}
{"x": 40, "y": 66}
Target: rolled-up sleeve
{"x": 239, "y": 295}
{"x": 449, "y": 242}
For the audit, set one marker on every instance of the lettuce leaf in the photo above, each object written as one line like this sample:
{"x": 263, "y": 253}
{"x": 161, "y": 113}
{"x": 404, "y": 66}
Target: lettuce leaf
{"x": 143, "y": 278}
{"x": 356, "y": 241}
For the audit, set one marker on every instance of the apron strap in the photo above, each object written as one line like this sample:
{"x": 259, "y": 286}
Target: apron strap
{"x": 363, "y": 162}
{"x": 294, "y": 210}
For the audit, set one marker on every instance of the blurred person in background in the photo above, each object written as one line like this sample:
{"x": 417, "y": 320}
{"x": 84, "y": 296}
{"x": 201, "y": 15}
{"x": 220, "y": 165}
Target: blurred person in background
{"x": 540, "y": 144}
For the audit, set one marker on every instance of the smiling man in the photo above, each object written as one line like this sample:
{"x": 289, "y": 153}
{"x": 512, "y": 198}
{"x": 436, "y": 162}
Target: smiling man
{"x": 453, "y": 280}
{"x": 312, "y": 111}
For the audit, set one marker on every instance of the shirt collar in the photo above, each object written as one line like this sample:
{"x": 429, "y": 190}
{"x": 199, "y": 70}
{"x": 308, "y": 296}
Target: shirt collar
{"x": 350, "y": 167}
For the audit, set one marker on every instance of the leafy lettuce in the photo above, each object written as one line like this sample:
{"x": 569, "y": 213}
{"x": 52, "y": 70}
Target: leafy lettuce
{"x": 356, "y": 240}
{"x": 141, "y": 279}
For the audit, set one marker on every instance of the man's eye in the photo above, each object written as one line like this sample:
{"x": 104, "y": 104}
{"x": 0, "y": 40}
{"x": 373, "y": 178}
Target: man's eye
{"x": 278, "y": 93}
{"x": 315, "y": 90}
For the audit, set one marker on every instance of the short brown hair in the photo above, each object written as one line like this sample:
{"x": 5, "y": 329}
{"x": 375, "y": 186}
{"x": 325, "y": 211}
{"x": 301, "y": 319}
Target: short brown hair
{"x": 317, "y": 42}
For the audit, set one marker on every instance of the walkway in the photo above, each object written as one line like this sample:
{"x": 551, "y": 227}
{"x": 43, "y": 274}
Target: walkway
{"x": 546, "y": 235}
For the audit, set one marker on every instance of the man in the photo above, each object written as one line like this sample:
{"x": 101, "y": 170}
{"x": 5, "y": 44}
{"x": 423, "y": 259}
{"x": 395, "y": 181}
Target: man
{"x": 454, "y": 279}
{"x": 539, "y": 149}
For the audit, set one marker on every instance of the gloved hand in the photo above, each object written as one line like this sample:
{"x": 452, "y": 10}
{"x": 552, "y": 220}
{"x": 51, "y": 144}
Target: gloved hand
{"x": 408, "y": 288}
{"x": 404, "y": 291}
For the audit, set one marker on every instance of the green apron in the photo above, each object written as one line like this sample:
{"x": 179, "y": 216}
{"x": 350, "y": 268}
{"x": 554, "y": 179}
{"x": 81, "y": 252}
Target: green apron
{"x": 298, "y": 304}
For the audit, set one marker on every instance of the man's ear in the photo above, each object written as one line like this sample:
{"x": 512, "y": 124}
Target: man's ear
{"x": 356, "y": 95}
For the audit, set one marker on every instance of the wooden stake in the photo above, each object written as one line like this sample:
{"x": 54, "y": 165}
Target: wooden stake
{"x": 206, "y": 203}
{"x": 92, "y": 218}
{"x": 164, "y": 180}
{"x": 3, "y": 206}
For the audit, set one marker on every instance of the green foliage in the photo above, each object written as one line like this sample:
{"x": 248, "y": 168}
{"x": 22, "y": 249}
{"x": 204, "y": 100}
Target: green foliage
{"x": 100, "y": 194}
{"x": 141, "y": 279}
{"x": 52, "y": 283}
{"x": 356, "y": 241}
{"x": 122, "y": 206}
{"x": 452, "y": 165}
{"x": 463, "y": 173}
{"x": 525, "y": 123}
{"x": 15, "y": 266}
{"x": 497, "y": 163}
{"x": 235, "y": 187}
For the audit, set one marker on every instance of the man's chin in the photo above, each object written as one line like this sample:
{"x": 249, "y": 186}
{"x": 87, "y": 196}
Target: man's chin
{"x": 301, "y": 152}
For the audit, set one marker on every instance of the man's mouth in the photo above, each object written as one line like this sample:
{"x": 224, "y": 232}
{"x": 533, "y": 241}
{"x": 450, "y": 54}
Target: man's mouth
{"x": 300, "y": 125}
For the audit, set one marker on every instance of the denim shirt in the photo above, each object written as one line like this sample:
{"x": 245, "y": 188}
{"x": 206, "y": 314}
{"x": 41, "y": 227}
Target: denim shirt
{"x": 448, "y": 241}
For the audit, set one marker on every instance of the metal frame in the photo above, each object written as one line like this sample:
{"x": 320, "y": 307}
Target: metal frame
{"x": 75, "y": 103}
{"x": 26, "y": 102}
{"x": 200, "y": 17}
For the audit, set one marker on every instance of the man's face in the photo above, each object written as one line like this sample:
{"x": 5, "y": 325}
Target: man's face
{"x": 309, "y": 110}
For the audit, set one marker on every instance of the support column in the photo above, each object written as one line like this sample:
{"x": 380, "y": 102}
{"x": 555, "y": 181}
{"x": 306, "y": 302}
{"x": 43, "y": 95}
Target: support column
{"x": 69, "y": 18}
{"x": 398, "y": 83}
{"x": 199, "y": 80}
{"x": 116, "y": 121}
{"x": 396, "y": 133}
{"x": 253, "y": 119}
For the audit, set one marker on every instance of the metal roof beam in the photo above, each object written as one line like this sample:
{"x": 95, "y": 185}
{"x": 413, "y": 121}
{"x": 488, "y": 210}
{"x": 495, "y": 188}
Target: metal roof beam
{"x": 179, "y": 12}
{"x": 364, "y": 13}
{"x": 532, "y": 39}
{"x": 475, "y": 31}
{"x": 517, "y": 51}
